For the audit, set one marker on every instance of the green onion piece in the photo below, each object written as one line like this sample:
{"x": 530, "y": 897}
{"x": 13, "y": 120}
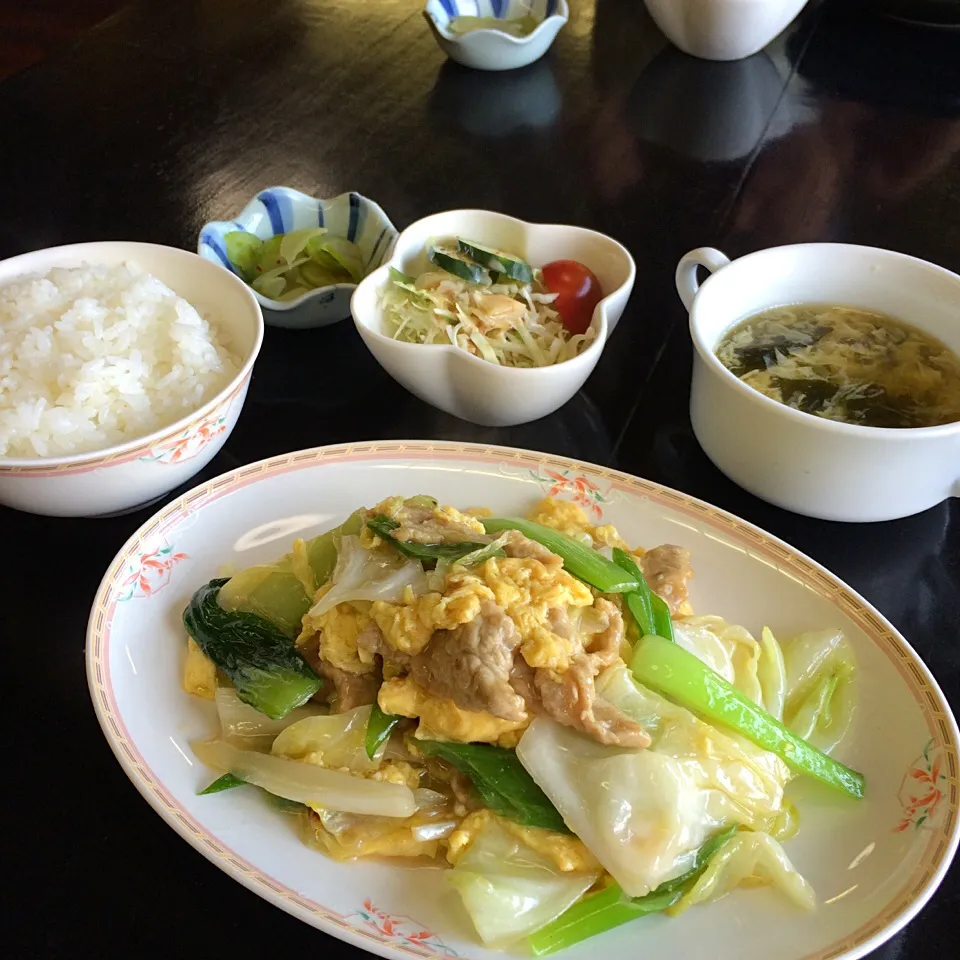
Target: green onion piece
{"x": 641, "y": 613}
{"x": 680, "y": 676}
{"x": 649, "y": 609}
{"x": 582, "y": 561}
{"x": 482, "y": 555}
{"x": 639, "y": 601}
{"x": 501, "y": 780}
{"x": 609, "y": 908}
{"x": 662, "y": 624}
{"x": 379, "y": 727}
{"x": 382, "y": 526}
{"x": 596, "y": 914}
{"x": 227, "y": 782}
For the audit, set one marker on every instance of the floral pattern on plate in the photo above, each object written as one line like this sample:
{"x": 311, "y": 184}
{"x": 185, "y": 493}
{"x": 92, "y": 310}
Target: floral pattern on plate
{"x": 149, "y": 572}
{"x": 564, "y": 483}
{"x": 922, "y": 789}
{"x": 187, "y": 444}
{"x": 401, "y": 930}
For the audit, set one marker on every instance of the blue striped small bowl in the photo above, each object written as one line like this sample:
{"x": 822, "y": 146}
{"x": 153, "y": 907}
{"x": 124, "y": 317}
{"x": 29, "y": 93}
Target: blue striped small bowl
{"x": 493, "y": 49}
{"x": 280, "y": 210}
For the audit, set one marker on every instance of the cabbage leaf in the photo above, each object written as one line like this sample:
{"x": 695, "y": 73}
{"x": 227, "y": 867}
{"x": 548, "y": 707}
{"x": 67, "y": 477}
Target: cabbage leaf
{"x": 240, "y": 722}
{"x": 346, "y": 836}
{"x": 337, "y": 741}
{"x": 643, "y": 814}
{"x": 753, "y": 859}
{"x": 772, "y": 674}
{"x": 820, "y": 698}
{"x": 638, "y": 812}
{"x": 308, "y": 783}
{"x": 511, "y": 890}
{"x": 282, "y": 592}
{"x": 728, "y": 649}
{"x": 743, "y": 783}
{"x": 362, "y": 574}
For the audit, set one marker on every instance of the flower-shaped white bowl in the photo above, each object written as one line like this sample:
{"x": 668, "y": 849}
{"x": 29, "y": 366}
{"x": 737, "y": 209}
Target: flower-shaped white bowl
{"x": 280, "y": 210}
{"x": 467, "y": 386}
{"x": 494, "y": 49}
{"x": 136, "y": 472}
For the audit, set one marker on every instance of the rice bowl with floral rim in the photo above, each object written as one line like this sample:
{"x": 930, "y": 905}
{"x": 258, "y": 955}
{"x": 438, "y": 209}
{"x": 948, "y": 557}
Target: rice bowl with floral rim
{"x": 122, "y": 475}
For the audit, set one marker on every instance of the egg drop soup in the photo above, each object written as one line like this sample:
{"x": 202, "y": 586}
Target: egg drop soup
{"x": 846, "y": 364}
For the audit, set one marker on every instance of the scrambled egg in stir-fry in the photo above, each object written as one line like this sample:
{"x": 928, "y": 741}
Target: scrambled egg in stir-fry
{"x": 567, "y": 852}
{"x": 472, "y": 704}
{"x": 336, "y": 631}
{"x": 442, "y": 719}
{"x": 545, "y": 604}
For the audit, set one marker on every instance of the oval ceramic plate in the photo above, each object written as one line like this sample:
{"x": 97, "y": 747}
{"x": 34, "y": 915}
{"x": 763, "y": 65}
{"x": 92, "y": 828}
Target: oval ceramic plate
{"x": 872, "y": 863}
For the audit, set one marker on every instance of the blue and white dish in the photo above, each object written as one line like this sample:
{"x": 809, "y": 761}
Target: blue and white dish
{"x": 280, "y": 210}
{"x": 494, "y": 49}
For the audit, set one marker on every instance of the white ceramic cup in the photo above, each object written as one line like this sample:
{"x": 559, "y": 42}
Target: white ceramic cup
{"x": 817, "y": 467}
{"x": 723, "y": 29}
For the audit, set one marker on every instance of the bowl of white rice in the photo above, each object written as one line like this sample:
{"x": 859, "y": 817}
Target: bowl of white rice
{"x": 123, "y": 369}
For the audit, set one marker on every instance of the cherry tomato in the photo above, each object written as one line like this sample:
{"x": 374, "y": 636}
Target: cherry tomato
{"x": 579, "y": 292}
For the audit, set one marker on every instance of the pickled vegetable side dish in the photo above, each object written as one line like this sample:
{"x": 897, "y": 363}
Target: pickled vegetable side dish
{"x": 289, "y": 265}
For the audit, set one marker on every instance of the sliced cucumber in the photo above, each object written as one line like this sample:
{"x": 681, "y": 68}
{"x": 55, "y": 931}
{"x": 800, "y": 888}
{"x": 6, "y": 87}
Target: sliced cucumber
{"x": 457, "y": 263}
{"x": 397, "y": 277}
{"x": 497, "y": 260}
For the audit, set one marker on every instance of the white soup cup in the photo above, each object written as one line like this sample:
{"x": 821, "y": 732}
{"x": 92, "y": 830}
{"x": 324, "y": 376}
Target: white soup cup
{"x": 804, "y": 463}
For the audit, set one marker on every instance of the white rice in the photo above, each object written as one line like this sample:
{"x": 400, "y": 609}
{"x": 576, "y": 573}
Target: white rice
{"x": 95, "y": 356}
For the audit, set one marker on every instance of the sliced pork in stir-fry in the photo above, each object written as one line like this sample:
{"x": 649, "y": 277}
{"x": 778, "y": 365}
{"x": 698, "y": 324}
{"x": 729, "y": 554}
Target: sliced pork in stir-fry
{"x": 475, "y": 704}
{"x": 668, "y": 571}
{"x": 471, "y": 664}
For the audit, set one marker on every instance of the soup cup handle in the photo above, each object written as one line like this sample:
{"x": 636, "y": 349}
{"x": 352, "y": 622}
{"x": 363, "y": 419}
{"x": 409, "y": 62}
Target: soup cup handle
{"x": 686, "y": 276}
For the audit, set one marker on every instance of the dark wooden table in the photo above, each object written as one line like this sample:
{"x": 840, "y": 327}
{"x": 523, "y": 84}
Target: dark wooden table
{"x": 177, "y": 111}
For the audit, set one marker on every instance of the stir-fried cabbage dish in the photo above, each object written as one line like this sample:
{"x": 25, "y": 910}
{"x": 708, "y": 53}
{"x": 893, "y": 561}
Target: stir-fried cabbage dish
{"x": 530, "y": 702}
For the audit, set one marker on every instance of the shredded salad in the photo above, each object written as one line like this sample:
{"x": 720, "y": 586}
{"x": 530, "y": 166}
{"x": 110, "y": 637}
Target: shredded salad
{"x": 487, "y": 302}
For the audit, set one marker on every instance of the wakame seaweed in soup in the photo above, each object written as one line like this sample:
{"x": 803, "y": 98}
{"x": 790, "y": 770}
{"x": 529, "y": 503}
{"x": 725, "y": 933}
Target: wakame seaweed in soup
{"x": 846, "y": 364}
